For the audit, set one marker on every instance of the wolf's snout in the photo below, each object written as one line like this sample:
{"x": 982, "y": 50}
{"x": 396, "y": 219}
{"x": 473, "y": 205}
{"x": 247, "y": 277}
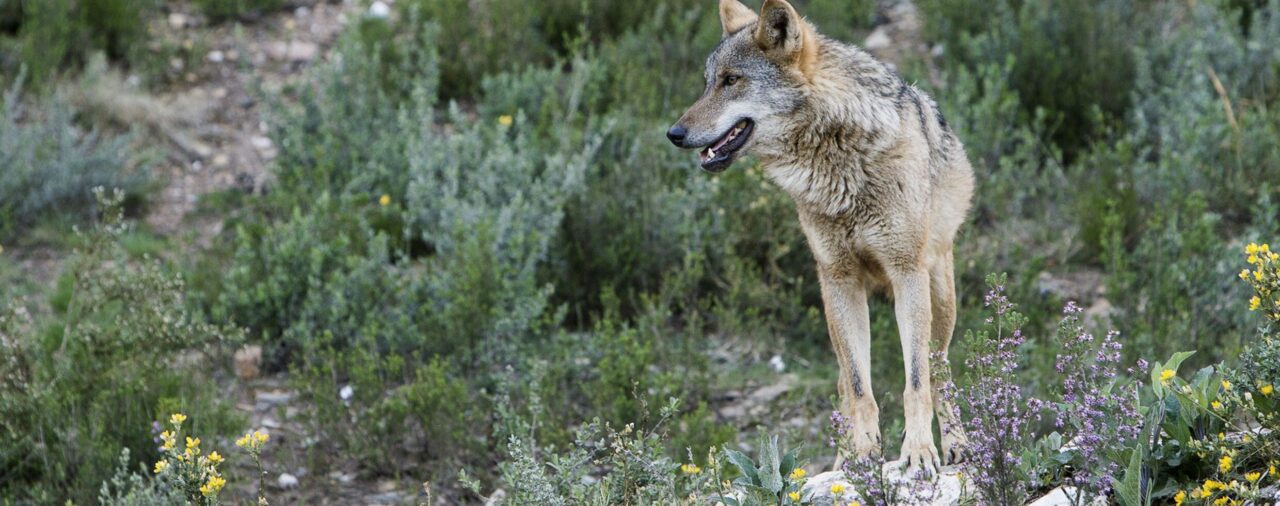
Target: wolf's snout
{"x": 677, "y": 135}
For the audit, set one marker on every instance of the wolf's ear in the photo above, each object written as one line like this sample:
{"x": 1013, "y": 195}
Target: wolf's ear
{"x": 734, "y": 16}
{"x": 784, "y": 36}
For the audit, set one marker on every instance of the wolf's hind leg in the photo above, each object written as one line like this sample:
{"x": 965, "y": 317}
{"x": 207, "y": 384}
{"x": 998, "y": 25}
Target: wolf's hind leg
{"x": 849, "y": 325}
{"x": 942, "y": 284}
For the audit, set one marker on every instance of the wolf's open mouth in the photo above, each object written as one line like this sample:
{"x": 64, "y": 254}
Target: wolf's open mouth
{"x": 719, "y": 155}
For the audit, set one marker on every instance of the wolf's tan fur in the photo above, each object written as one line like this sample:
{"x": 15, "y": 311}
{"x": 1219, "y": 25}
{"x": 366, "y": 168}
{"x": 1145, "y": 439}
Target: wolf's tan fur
{"x": 881, "y": 186}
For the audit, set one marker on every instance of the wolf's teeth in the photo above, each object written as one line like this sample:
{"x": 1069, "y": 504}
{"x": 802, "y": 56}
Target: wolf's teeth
{"x": 711, "y": 153}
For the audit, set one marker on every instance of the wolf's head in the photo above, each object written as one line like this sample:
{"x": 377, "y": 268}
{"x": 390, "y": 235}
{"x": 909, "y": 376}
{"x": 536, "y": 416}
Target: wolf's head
{"x": 753, "y": 79}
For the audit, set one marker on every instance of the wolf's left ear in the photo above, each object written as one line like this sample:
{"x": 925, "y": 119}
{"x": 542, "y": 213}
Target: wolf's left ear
{"x": 734, "y": 16}
{"x": 785, "y": 37}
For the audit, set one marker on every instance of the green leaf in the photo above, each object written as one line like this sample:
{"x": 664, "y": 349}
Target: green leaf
{"x": 770, "y": 478}
{"x": 788, "y": 463}
{"x": 744, "y": 465}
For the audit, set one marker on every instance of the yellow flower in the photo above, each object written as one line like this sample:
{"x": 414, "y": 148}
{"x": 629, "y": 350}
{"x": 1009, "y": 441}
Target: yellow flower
{"x": 798, "y": 474}
{"x": 167, "y": 440}
{"x": 1179, "y": 497}
{"x": 243, "y": 441}
{"x": 1251, "y": 249}
{"x": 690, "y": 469}
{"x": 1210, "y": 486}
{"x": 1220, "y": 501}
{"x": 1254, "y": 303}
{"x": 212, "y": 486}
{"x": 1254, "y": 476}
{"x": 837, "y": 489}
{"x": 1224, "y": 463}
{"x": 1265, "y": 248}
{"x": 1267, "y": 390}
{"x": 1272, "y": 256}
{"x": 262, "y": 437}
{"x": 1166, "y": 375}
{"x": 855, "y": 503}
{"x": 215, "y": 458}
{"x": 193, "y": 443}
{"x": 505, "y": 120}
{"x": 1271, "y": 470}
{"x": 794, "y": 496}
{"x": 161, "y": 465}
{"x": 1244, "y": 274}
{"x": 384, "y": 200}
{"x": 1226, "y": 385}
{"x": 1217, "y": 406}
{"x": 177, "y": 418}
{"x": 1222, "y": 435}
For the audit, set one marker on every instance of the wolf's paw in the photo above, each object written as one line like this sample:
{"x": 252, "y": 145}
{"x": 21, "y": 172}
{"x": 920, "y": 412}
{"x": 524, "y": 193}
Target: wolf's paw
{"x": 953, "y": 442}
{"x": 920, "y": 457}
{"x": 862, "y": 444}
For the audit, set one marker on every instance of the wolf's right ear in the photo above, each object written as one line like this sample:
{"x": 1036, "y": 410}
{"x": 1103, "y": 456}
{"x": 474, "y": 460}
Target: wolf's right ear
{"x": 734, "y": 16}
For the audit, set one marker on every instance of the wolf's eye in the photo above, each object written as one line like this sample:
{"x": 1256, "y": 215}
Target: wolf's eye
{"x": 730, "y": 80}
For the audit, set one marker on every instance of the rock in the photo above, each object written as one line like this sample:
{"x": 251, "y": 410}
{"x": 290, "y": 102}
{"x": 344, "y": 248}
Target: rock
{"x": 777, "y": 364}
{"x": 261, "y": 143}
{"x": 759, "y": 400}
{"x": 385, "y": 486}
{"x": 1062, "y": 496}
{"x": 286, "y": 481}
{"x": 879, "y": 39}
{"x": 248, "y": 362}
{"x": 268, "y": 399}
{"x": 945, "y": 490}
{"x": 498, "y": 497}
{"x": 270, "y": 423}
{"x": 178, "y": 20}
{"x": 295, "y": 51}
{"x": 379, "y": 10}
{"x": 216, "y": 56}
{"x": 346, "y": 392}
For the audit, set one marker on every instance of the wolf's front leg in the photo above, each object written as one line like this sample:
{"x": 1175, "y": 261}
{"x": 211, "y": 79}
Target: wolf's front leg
{"x": 849, "y": 324}
{"x": 911, "y": 306}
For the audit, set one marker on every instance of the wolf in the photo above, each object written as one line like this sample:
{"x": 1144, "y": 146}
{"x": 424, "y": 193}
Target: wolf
{"x": 881, "y": 186}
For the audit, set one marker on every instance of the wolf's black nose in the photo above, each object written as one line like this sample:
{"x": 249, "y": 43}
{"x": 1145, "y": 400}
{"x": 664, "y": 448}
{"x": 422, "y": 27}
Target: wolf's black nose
{"x": 677, "y": 134}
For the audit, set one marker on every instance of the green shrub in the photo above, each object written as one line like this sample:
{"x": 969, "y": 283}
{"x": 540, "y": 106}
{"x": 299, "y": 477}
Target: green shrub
{"x": 89, "y": 380}
{"x": 53, "y": 34}
{"x": 50, "y": 165}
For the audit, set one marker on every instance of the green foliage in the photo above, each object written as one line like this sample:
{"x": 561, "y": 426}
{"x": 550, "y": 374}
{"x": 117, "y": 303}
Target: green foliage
{"x": 50, "y": 165}
{"x": 52, "y": 34}
{"x": 90, "y": 380}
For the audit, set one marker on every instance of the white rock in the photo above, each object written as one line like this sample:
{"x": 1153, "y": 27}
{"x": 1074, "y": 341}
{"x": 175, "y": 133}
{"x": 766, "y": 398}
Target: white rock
{"x": 286, "y": 481}
{"x": 944, "y": 490}
{"x": 379, "y": 10}
{"x": 346, "y": 392}
{"x": 879, "y": 39}
{"x": 777, "y": 364}
{"x": 261, "y": 143}
{"x": 177, "y": 20}
{"x": 216, "y": 56}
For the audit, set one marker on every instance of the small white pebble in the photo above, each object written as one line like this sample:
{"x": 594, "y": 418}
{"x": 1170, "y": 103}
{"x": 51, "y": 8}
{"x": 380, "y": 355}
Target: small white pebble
{"x": 346, "y": 392}
{"x": 287, "y": 481}
{"x": 777, "y": 364}
{"x": 379, "y": 10}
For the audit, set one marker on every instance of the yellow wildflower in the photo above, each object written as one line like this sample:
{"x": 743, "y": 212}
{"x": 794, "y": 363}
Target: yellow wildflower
{"x": 855, "y": 503}
{"x": 837, "y": 489}
{"x": 1255, "y": 303}
{"x": 1226, "y": 385}
{"x": 260, "y": 436}
{"x": 798, "y": 474}
{"x": 384, "y": 200}
{"x": 1166, "y": 375}
{"x": 1271, "y": 470}
{"x": 505, "y": 120}
{"x": 177, "y": 418}
{"x": 243, "y": 441}
{"x": 193, "y": 443}
{"x": 1179, "y": 497}
{"x": 1220, "y": 501}
{"x": 167, "y": 440}
{"x": 161, "y": 465}
{"x": 1222, "y": 435}
{"x": 1244, "y": 274}
{"x": 1272, "y": 256}
{"x": 794, "y": 496}
{"x": 1211, "y": 485}
{"x": 690, "y": 469}
{"x": 215, "y": 458}
{"x": 1254, "y": 476}
{"x": 1257, "y": 275}
{"x": 1224, "y": 463}
{"x": 1217, "y": 406}
{"x": 1267, "y": 390}
{"x": 1251, "y": 249}
{"x": 212, "y": 486}
{"x": 1265, "y": 248}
